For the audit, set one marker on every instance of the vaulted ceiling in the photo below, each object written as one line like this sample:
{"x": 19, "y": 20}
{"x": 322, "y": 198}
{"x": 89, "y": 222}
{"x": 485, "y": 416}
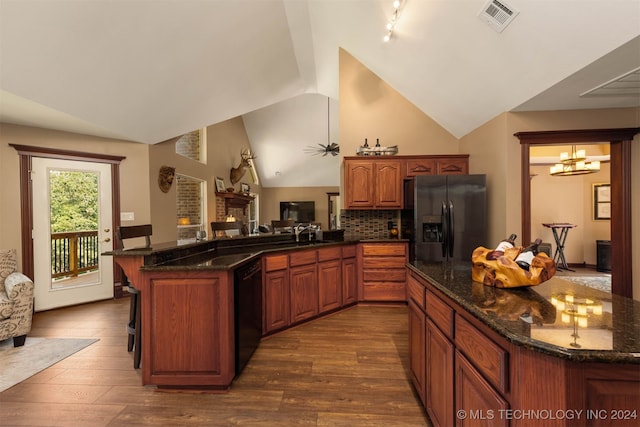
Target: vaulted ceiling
{"x": 147, "y": 71}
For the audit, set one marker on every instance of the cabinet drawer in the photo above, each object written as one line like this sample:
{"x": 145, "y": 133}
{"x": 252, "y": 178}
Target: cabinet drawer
{"x": 326, "y": 254}
{"x": 417, "y": 167}
{"x": 440, "y": 313}
{"x": 384, "y": 291}
{"x": 384, "y": 249}
{"x": 348, "y": 251}
{"x": 415, "y": 292}
{"x": 487, "y": 357}
{"x": 387, "y": 275}
{"x": 275, "y": 262}
{"x": 383, "y": 262}
{"x": 302, "y": 258}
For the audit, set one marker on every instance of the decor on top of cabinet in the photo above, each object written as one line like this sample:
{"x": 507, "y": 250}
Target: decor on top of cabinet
{"x": 378, "y": 150}
{"x": 504, "y": 272}
{"x": 165, "y": 178}
{"x": 237, "y": 173}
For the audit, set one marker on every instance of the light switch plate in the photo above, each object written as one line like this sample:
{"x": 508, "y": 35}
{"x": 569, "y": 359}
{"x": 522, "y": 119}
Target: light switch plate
{"x": 126, "y": 216}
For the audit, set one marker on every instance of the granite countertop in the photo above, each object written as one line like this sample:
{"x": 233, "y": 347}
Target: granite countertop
{"x": 542, "y": 317}
{"x": 222, "y": 254}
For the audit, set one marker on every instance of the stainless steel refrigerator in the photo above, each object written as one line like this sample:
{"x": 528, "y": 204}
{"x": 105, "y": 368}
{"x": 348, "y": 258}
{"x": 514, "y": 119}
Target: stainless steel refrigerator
{"x": 450, "y": 216}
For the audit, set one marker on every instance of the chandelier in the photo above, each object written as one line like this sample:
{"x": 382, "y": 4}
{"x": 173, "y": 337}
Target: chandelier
{"x": 574, "y": 164}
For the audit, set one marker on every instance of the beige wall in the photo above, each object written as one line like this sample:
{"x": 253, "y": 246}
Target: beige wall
{"x": 568, "y": 199}
{"x": 496, "y": 152}
{"x": 271, "y": 197}
{"x": 134, "y": 173}
{"x": 370, "y": 108}
{"x": 224, "y": 143}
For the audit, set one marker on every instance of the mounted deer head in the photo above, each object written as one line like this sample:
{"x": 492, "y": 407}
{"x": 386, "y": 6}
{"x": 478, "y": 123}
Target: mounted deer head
{"x": 237, "y": 173}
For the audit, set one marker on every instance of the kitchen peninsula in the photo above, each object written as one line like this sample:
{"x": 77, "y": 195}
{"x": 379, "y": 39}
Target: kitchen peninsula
{"x": 189, "y": 332}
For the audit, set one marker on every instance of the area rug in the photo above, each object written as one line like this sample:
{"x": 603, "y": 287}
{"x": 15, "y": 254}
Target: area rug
{"x": 19, "y": 363}
{"x": 602, "y": 283}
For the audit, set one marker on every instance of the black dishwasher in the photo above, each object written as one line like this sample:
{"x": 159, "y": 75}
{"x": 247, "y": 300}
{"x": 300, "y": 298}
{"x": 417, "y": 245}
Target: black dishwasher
{"x": 247, "y": 311}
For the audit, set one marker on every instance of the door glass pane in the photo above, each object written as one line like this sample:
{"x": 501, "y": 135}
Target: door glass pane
{"x": 74, "y": 212}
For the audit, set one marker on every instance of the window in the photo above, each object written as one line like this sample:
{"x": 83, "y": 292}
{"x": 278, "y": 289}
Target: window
{"x": 253, "y": 215}
{"x": 190, "y": 206}
{"x": 192, "y": 145}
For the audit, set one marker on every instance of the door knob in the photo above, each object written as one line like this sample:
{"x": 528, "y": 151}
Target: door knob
{"x": 106, "y": 230}
{"x": 108, "y": 239}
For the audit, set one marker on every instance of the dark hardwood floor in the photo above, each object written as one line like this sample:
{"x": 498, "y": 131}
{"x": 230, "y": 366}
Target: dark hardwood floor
{"x": 348, "y": 369}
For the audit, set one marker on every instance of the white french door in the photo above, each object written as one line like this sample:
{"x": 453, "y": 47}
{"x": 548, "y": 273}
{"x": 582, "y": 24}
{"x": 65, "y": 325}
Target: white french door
{"x": 72, "y": 217}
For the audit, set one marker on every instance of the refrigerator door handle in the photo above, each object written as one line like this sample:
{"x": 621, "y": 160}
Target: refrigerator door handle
{"x": 451, "y": 230}
{"x": 445, "y": 229}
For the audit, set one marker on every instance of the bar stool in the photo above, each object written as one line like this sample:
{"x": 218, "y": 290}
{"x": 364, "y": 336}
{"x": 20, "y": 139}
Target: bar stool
{"x": 134, "y": 326}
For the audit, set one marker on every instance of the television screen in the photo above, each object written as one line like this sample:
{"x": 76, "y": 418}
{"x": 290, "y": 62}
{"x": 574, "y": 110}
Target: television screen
{"x": 298, "y": 211}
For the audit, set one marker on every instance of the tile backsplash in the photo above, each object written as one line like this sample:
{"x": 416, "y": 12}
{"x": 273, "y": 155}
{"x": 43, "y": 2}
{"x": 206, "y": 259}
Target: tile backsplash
{"x": 368, "y": 224}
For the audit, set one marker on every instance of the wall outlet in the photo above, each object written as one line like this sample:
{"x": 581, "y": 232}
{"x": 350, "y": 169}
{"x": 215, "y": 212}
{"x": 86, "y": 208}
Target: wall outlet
{"x": 126, "y": 216}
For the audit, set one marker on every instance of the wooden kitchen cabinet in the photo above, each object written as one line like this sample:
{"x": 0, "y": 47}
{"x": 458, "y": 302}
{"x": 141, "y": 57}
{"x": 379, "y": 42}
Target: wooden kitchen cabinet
{"x": 475, "y": 395}
{"x": 377, "y": 182}
{"x": 383, "y": 273}
{"x": 303, "y": 285}
{"x": 275, "y": 313}
{"x": 201, "y": 308}
{"x": 455, "y": 164}
{"x": 329, "y": 279}
{"x": 373, "y": 183}
{"x": 349, "y": 275}
{"x": 417, "y": 348}
{"x": 439, "y": 378}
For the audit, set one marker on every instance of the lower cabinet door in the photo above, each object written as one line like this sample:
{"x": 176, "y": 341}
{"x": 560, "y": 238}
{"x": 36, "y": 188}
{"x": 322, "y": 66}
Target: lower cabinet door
{"x": 276, "y": 301}
{"x": 303, "y": 283}
{"x": 477, "y": 402}
{"x": 329, "y": 285}
{"x": 439, "y": 377}
{"x": 349, "y": 281}
{"x": 417, "y": 346}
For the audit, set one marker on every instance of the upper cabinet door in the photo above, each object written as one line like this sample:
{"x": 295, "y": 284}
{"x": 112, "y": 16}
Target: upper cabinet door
{"x": 359, "y": 183}
{"x": 388, "y": 192}
{"x": 453, "y": 166}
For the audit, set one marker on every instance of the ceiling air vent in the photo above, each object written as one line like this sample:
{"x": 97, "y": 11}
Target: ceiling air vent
{"x": 497, "y": 14}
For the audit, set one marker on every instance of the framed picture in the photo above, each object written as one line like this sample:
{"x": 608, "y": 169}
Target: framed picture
{"x": 244, "y": 188}
{"x": 601, "y": 201}
{"x": 220, "y": 186}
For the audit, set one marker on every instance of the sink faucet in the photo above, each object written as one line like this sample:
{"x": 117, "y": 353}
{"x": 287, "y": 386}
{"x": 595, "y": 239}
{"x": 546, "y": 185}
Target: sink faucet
{"x": 300, "y": 228}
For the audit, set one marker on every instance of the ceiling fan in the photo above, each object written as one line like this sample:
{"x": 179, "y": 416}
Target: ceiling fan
{"x": 331, "y": 147}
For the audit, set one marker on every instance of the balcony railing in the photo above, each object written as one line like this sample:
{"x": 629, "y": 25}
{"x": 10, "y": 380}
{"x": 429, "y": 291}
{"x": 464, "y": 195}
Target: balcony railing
{"x": 73, "y": 253}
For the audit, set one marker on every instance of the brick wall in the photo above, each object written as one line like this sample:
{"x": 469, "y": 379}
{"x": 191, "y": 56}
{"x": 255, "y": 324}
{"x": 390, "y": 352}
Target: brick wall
{"x": 188, "y": 205}
{"x": 188, "y": 145}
